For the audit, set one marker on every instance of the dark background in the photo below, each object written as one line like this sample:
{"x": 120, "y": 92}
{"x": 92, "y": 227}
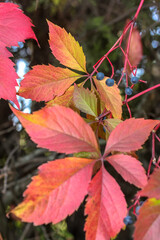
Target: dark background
{"x": 96, "y": 24}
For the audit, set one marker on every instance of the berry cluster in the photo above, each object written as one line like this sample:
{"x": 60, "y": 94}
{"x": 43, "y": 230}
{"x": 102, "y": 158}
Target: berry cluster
{"x": 109, "y": 82}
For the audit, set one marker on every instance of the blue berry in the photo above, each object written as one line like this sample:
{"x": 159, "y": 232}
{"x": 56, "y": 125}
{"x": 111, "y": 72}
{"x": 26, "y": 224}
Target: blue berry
{"x": 134, "y": 80}
{"x": 100, "y": 76}
{"x": 128, "y": 91}
{"x": 110, "y": 82}
{"x": 128, "y": 220}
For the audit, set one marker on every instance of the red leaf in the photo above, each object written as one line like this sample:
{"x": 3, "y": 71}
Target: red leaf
{"x": 43, "y": 82}
{"x": 8, "y": 81}
{"x": 129, "y": 168}
{"x": 129, "y": 135}
{"x": 152, "y": 189}
{"x": 135, "y": 50}
{"x": 147, "y": 225}
{"x": 106, "y": 207}
{"x": 56, "y": 192}
{"x": 59, "y": 129}
{"x": 14, "y": 27}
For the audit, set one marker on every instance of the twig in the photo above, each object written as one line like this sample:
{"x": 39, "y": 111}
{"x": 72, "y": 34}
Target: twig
{"x": 26, "y": 230}
{"x": 5, "y": 169}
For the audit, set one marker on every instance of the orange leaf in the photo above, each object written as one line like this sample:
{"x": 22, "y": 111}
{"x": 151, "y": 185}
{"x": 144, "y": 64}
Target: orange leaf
{"x": 58, "y": 129}
{"x": 43, "y": 82}
{"x": 148, "y": 222}
{"x": 110, "y": 96}
{"x": 56, "y": 192}
{"x": 65, "y": 48}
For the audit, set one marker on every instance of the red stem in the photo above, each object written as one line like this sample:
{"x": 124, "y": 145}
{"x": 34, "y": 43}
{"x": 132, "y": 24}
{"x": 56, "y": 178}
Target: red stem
{"x": 143, "y": 92}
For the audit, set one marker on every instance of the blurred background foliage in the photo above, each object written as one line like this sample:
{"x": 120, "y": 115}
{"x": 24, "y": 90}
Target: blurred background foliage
{"x": 96, "y": 24}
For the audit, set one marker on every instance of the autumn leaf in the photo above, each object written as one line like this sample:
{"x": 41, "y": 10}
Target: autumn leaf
{"x": 65, "y": 100}
{"x": 43, "y": 82}
{"x": 148, "y": 222}
{"x": 129, "y": 168}
{"x": 14, "y": 27}
{"x": 56, "y": 192}
{"x": 65, "y": 48}
{"x": 59, "y": 129}
{"x": 135, "y": 49}
{"x": 85, "y": 100}
{"x": 152, "y": 189}
{"x": 129, "y": 135}
{"x": 106, "y": 207}
{"x": 111, "y": 97}
{"x": 8, "y": 81}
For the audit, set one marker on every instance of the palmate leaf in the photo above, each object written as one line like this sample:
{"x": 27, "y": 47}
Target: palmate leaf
{"x": 129, "y": 135}
{"x": 43, "y": 82}
{"x": 65, "y": 48}
{"x": 129, "y": 168}
{"x": 56, "y": 192}
{"x": 152, "y": 189}
{"x": 85, "y": 100}
{"x": 59, "y": 129}
{"x": 148, "y": 222}
{"x": 14, "y": 27}
{"x": 111, "y": 97}
{"x": 106, "y": 207}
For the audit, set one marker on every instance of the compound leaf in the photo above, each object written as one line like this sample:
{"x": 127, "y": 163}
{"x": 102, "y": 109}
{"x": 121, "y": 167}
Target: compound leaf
{"x": 59, "y": 129}
{"x": 56, "y": 192}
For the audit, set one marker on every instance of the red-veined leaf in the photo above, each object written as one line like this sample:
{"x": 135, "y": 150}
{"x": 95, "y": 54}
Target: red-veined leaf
{"x": 85, "y": 100}
{"x": 43, "y": 82}
{"x": 130, "y": 134}
{"x": 65, "y": 48}
{"x": 152, "y": 189}
{"x": 110, "y": 96}
{"x": 14, "y": 27}
{"x": 56, "y": 192}
{"x": 106, "y": 207}
{"x": 58, "y": 129}
{"x": 147, "y": 225}
{"x": 129, "y": 168}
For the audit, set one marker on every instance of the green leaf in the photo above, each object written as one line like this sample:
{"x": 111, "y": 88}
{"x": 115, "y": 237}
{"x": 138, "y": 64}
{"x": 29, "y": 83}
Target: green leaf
{"x": 85, "y": 100}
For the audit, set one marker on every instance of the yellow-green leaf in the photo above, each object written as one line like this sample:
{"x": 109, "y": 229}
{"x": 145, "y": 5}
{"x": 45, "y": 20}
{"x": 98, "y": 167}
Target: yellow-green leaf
{"x": 85, "y": 100}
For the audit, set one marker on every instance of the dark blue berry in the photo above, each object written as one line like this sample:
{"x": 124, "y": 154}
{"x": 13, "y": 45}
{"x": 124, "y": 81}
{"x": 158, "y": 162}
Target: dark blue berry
{"x": 110, "y": 82}
{"x": 100, "y": 76}
{"x": 128, "y": 91}
{"x": 134, "y": 80}
{"x": 128, "y": 220}
{"x": 138, "y": 207}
